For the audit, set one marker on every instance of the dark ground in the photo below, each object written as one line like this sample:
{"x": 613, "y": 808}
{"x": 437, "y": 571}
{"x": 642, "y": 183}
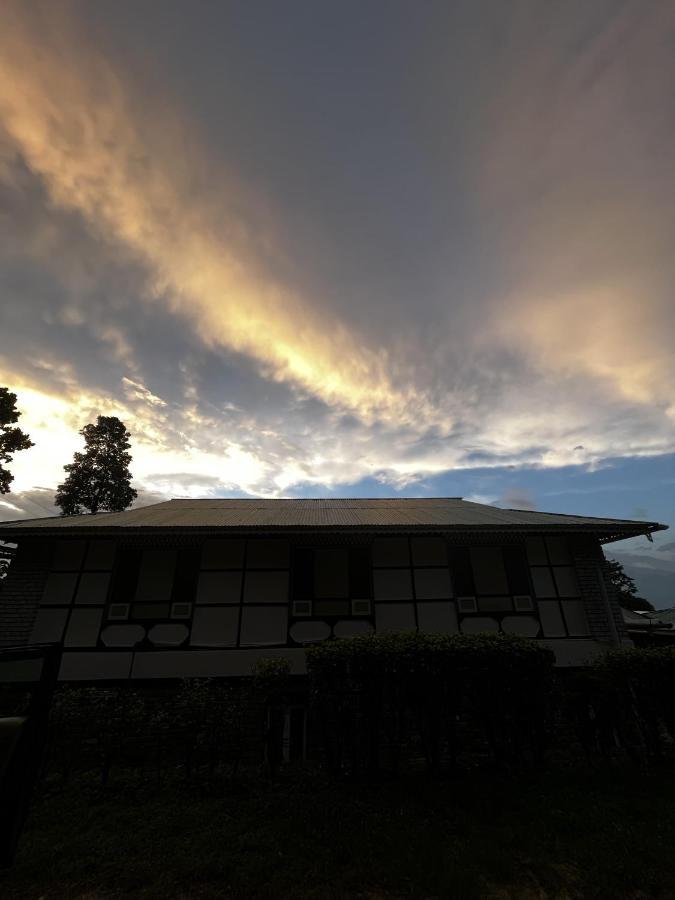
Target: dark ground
{"x": 572, "y": 834}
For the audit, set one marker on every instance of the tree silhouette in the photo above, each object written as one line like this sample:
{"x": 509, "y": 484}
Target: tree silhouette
{"x": 98, "y": 479}
{"x": 625, "y": 588}
{"x": 12, "y": 439}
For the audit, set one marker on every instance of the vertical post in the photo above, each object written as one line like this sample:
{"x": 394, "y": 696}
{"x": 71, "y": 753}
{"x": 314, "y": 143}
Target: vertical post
{"x": 25, "y": 755}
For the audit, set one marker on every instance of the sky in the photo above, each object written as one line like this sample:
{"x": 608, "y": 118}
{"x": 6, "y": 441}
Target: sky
{"x": 347, "y": 249}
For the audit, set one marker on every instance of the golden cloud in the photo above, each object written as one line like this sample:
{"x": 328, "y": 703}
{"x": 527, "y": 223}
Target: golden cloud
{"x": 128, "y": 169}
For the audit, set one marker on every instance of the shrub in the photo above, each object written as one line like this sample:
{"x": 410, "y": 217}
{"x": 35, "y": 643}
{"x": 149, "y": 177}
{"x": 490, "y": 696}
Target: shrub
{"x": 377, "y": 692}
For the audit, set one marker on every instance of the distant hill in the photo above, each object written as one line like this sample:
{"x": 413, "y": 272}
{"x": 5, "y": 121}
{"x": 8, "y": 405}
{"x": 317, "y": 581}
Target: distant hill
{"x": 654, "y": 574}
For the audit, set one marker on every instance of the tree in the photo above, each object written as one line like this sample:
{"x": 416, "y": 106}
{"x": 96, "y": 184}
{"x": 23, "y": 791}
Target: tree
{"x": 12, "y": 439}
{"x": 625, "y": 588}
{"x": 99, "y": 479}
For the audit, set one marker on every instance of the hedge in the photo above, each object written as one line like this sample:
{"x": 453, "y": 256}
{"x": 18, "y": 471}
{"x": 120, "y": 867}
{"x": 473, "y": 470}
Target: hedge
{"x": 378, "y": 693}
{"x": 379, "y": 702}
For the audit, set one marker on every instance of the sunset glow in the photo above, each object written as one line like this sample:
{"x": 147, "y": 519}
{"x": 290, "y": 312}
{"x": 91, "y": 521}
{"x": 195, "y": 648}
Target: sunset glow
{"x": 424, "y": 255}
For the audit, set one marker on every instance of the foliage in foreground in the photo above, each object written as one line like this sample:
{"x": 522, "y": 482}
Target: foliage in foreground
{"x": 375, "y": 694}
{"x": 386, "y": 704}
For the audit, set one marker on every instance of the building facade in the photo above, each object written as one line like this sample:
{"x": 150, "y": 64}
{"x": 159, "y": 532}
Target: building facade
{"x": 192, "y": 588}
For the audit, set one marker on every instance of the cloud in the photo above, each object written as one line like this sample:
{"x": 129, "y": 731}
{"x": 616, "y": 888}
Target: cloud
{"x": 518, "y": 498}
{"x": 129, "y": 172}
{"x": 580, "y": 158}
{"x": 393, "y": 307}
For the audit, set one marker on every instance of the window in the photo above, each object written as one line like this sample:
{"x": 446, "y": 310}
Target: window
{"x": 149, "y": 582}
{"x": 556, "y": 587}
{"x": 327, "y": 582}
{"x": 264, "y": 626}
{"x": 391, "y": 552}
{"x": 412, "y": 586}
{"x": 433, "y": 584}
{"x": 266, "y": 587}
{"x": 489, "y": 572}
{"x": 331, "y": 574}
{"x": 392, "y": 584}
{"x": 215, "y": 626}
{"x": 242, "y": 593}
{"x": 219, "y": 587}
{"x": 79, "y": 576}
{"x": 155, "y": 577}
{"x": 225, "y": 554}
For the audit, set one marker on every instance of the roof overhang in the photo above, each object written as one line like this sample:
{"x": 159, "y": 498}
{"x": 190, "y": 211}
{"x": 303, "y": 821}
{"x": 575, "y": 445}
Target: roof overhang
{"x": 604, "y": 534}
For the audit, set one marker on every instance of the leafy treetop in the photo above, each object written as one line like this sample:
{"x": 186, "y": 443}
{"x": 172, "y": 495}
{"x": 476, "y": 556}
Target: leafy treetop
{"x": 99, "y": 479}
{"x": 12, "y": 439}
{"x": 625, "y": 588}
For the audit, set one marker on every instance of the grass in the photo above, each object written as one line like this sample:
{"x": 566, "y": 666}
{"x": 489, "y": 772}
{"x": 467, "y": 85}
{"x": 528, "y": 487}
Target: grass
{"x": 567, "y": 834}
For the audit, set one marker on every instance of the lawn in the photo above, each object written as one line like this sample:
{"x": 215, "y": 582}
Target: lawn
{"x": 565, "y": 834}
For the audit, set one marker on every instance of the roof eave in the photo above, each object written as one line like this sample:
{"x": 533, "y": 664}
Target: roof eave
{"x": 605, "y": 534}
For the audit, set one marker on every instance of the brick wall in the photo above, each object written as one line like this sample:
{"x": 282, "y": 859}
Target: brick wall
{"x": 21, "y": 591}
{"x": 591, "y": 566}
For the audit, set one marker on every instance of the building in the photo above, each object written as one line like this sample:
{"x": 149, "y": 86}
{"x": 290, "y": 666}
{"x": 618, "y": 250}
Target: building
{"x": 649, "y": 629}
{"x": 205, "y": 587}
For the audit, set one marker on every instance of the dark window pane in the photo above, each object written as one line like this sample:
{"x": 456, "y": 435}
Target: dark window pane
{"x": 125, "y": 574}
{"x": 566, "y": 581}
{"x": 83, "y": 628}
{"x": 391, "y": 552}
{"x": 100, "y": 555}
{"x": 303, "y": 574}
{"x": 360, "y": 584}
{"x": 331, "y": 573}
{"x": 93, "y": 588}
{"x": 185, "y": 579}
{"x": 488, "y": 570}
{"x": 267, "y": 554}
{"x": 432, "y": 584}
{"x": 266, "y": 587}
{"x": 558, "y": 551}
{"x": 462, "y": 575}
{"x": 551, "y": 620}
{"x": 59, "y": 588}
{"x": 223, "y": 554}
{"x": 213, "y": 627}
{"x": 264, "y": 626}
{"x": 575, "y": 617}
{"x": 155, "y": 578}
{"x": 517, "y": 573}
{"x": 543, "y": 583}
{"x": 219, "y": 587}
{"x": 68, "y": 555}
{"x": 392, "y": 584}
{"x": 429, "y": 551}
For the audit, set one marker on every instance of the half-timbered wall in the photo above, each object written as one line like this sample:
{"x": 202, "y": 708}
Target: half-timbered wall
{"x": 187, "y": 594}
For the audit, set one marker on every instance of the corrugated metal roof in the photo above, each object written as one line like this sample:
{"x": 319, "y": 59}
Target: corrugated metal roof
{"x": 391, "y": 513}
